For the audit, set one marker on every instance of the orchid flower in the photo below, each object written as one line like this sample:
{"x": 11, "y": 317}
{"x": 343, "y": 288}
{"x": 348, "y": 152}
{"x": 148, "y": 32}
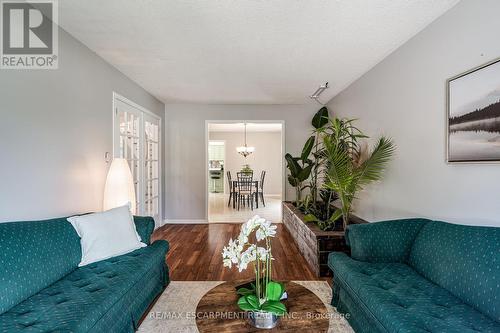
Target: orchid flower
{"x": 236, "y": 254}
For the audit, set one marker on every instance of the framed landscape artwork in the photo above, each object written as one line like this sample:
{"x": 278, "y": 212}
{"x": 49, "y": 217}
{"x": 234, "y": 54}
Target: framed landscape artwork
{"x": 473, "y": 122}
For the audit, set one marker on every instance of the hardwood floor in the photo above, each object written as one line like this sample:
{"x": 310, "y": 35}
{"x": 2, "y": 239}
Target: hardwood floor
{"x": 195, "y": 253}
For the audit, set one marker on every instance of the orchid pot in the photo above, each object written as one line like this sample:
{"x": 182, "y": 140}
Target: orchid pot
{"x": 262, "y": 300}
{"x": 263, "y": 320}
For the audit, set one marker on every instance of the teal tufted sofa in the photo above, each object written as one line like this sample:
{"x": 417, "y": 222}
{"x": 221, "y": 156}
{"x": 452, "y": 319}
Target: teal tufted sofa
{"x": 417, "y": 275}
{"x": 42, "y": 289}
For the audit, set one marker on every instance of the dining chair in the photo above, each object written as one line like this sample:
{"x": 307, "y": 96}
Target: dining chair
{"x": 245, "y": 189}
{"x": 261, "y": 187}
{"x": 232, "y": 190}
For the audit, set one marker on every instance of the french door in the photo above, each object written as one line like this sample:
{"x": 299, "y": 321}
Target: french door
{"x": 137, "y": 137}
{"x": 151, "y": 145}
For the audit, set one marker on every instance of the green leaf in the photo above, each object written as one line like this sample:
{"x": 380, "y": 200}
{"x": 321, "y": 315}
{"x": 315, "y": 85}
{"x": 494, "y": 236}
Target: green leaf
{"x": 245, "y": 305}
{"x": 336, "y": 215}
{"x": 305, "y": 173}
{"x": 253, "y": 301}
{"x": 308, "y": 146}
{"x": 340, "y": 167}
{"x": 373, "y": 167}
{"x": 320, "y": 119}
{"x": 292, "y": 165}
{"x": 275, "y": 307}
{"x": 310, "y": 218}
{"x": 248, "y": 303}
{"x": 293, "y": 181}
{"x": 245, "y": 291}
{"x": 274, "y": 291}
{"x": 322, "y": 225}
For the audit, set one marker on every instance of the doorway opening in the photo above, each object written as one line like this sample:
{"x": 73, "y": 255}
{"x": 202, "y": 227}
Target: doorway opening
{"x": 245, "y": 170}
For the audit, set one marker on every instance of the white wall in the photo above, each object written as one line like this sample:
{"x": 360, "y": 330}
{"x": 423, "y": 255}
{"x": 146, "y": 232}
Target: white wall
{"x": 404, "y": 97}
{"x": 267, "y": 157}
{"x": 185, "y": 148}
{"x": 55, "y": 127}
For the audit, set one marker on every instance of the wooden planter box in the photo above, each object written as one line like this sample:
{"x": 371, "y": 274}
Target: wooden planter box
{"x": 313, "y": 243}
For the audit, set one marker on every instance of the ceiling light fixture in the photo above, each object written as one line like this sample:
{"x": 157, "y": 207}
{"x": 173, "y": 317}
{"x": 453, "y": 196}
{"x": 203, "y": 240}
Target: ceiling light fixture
{"x": 245, "y": 150}
{"x": 318, "y": 92}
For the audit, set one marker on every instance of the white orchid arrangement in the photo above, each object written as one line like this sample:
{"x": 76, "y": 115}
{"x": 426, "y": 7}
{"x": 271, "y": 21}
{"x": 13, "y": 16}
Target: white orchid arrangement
{"x": 265, "y": 294}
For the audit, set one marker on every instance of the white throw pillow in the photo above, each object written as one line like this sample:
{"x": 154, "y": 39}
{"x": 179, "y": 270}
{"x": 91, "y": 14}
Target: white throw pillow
{"x": 106, "y": 235}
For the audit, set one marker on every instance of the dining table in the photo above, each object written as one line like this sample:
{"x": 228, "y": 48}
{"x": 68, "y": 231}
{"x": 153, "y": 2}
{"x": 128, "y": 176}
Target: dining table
{"x": 256, "y": 184}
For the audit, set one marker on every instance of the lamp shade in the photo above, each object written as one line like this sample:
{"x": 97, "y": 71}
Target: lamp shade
{"x": 119, "y": 189}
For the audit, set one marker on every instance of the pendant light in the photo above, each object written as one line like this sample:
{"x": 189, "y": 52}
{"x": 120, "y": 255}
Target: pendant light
{"x": 245, "y": 150}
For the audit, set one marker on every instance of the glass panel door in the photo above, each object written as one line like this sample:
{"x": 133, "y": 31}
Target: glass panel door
{"x": 152, "y": 166}
{"x": 128, "y": 134}
{"x": 137, "y": 138}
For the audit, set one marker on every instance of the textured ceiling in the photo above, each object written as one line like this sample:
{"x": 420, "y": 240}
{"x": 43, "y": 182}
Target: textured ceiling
{"x": 242, "y": 51}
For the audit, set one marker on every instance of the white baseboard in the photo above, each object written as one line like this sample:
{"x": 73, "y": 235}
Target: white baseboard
{"x": 230, "y": 222}
{"x": 184, "y": 221}
{"x": 235, "y": 222}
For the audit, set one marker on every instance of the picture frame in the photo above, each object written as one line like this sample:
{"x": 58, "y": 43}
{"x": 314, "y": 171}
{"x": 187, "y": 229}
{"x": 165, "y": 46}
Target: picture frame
{"x": 473, "y": 115}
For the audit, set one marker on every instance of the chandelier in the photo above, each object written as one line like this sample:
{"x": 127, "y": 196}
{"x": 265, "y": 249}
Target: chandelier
{"x": 245, "y": 150}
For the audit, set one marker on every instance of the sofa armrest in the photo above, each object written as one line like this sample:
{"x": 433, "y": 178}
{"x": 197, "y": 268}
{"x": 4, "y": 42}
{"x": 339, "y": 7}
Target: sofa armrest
{"x": 387, "y": 241}
{"x": 145, "y": 225}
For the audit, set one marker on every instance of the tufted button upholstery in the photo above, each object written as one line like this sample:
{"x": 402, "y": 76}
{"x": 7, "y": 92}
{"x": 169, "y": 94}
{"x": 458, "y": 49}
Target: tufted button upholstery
{"x": 404, "y": 301}
{"x": 34, "y": 255}
{"x": 94, "y": 297}
{"x": 464, "y": 260}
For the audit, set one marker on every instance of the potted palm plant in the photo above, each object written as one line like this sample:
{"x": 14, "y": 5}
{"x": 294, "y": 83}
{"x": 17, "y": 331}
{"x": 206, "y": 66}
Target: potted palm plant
{"x": 350, "y": 166}
{"x": 333, "y": 167}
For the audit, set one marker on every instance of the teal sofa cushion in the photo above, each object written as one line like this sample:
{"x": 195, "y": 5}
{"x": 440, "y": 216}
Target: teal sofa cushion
{"x": 33, "y": 255}
{"x": 419, "y": 275}
{"x": 387, "y": 241}
{"x": 464, "y": 260}
{"x": 107, "y": 296}
{"x": 398, "y": 299}
{"x": 145, "y": 226}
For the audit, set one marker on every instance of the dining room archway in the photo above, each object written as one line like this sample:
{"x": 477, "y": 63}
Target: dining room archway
{"x": 245, "y": 173}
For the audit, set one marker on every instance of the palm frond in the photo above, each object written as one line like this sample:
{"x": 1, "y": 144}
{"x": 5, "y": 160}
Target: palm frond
{"x": 339, "y": 172}
{"x": 374, "y": 166}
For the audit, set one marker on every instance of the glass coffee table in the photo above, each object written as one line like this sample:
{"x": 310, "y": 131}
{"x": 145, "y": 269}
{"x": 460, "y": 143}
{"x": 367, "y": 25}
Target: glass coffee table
{"x": 217, "y": 311}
